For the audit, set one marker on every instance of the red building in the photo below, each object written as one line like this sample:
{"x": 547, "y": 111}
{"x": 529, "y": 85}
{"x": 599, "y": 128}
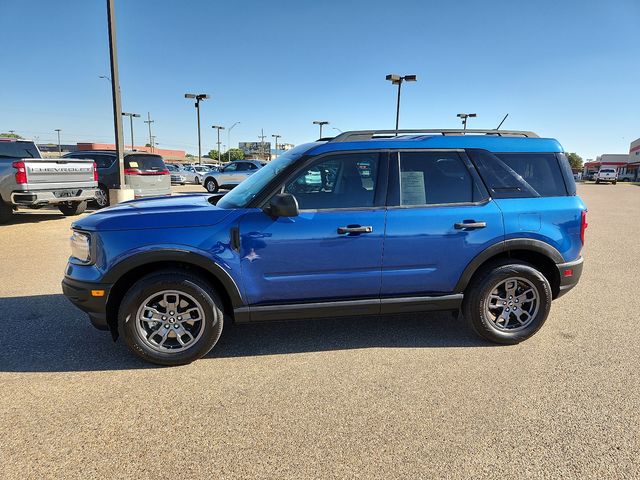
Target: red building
{"x": 165, "y": 153}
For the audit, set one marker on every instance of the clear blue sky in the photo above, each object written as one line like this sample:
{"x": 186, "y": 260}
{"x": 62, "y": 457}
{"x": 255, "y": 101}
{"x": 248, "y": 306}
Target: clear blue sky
{"x": 568, "y": 69}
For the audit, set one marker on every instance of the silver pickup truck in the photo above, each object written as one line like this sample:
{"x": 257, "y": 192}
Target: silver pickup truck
{"x": 28, "y": 180}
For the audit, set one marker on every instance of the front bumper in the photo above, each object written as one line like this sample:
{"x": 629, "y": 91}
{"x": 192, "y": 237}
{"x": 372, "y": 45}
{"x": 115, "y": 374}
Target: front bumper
{"x": 570, "y": 273}
{"x": 51, "y": 197}
{"x": 79, "y": 293}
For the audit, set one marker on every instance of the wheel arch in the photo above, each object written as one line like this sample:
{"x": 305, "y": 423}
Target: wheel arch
{"x": 125, "y": 273}
{"x": 539, "y": 254}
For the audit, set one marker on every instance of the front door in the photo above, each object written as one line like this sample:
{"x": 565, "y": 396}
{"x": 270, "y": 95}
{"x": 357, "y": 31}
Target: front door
{"x": 441, "y": 220}
{"x": 333, "y": 249}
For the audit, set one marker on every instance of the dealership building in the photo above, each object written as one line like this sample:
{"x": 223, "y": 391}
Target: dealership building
{"x": 627, "y": 164}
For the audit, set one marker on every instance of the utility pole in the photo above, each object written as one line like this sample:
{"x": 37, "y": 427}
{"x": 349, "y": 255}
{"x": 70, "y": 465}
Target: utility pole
{"x": 59, "y": 147}
{"x": 131, "y": 116}
{"x": 262, "y": 136}
{"x": 149, "y": 122}
{"x": 218, "y": 128}
{"x": 198, "y": 98}
{"x": 397, "y": 80}
{"x": 117, "y": 106}
{"x": 321, "y": 123}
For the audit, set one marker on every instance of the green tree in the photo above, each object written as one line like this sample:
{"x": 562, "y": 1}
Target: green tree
{"x": 234, "y": 153}
{"x": 11, "y": 135}
{"x": 575, "y": 161}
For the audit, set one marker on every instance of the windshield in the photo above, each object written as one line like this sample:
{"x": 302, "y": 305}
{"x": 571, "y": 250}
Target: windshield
{"x": 11, "y": 149}
{"x": 240, "y": 196}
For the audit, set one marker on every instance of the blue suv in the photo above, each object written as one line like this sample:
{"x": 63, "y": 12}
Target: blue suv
{"x": 367, "y": 223}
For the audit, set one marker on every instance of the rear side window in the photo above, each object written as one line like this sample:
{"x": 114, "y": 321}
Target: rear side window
{"x": 431, "y": 178}
{"x": 144, "y": 162}
{"x": 518, "y": 175}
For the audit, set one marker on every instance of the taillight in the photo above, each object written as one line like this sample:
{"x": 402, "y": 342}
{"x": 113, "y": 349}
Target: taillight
{"x": 583, "y": 225}
{"x": 165, "y": 172}
{"x": 131, "y": 171}
{"x": 21, "y": 174}
{"x": 95, "y": 172}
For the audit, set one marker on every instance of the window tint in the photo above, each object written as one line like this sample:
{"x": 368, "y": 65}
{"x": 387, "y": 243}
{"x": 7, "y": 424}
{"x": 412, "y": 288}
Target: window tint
{"x": 10, "y": 149}
{"x": 252, "y": 166}
{"x": 516, "y": 175}
{"x": 230, "y": 168}
{"x": 144, "y": 162}
{"x": 338, "y": 181}
{"x": 428, "y": 178}
{"x": 103, "y": 161}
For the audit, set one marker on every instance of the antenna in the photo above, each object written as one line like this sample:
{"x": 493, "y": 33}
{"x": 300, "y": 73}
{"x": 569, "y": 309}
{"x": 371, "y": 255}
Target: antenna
{"x": 505, "y": 117}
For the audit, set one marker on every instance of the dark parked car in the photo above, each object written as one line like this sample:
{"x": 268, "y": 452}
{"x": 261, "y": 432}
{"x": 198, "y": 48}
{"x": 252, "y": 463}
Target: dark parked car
{"x": 145, "y": 173}
{"x": 367, "y": 223}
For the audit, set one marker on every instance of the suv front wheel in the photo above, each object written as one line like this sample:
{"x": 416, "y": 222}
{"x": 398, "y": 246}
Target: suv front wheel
{"x": 507, "y": 302}
{"x": 171, "y": 317}
{"x": 211, "y": 185}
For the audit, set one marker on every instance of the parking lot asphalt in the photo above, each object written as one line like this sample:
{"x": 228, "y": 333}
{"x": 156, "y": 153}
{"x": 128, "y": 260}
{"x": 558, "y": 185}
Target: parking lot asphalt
{"x": 411, "y": 396}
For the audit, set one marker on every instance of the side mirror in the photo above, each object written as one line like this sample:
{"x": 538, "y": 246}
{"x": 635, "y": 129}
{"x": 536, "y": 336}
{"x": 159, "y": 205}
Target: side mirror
{"x": 283, "y": 205}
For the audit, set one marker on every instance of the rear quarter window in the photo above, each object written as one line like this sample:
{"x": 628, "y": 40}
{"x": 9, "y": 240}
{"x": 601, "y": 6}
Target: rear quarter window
{"x": 518, "y": 175}
{"x": 144, "y": 162}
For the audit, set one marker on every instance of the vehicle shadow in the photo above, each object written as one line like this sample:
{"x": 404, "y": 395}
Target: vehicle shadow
{"x": 56, "y": 337}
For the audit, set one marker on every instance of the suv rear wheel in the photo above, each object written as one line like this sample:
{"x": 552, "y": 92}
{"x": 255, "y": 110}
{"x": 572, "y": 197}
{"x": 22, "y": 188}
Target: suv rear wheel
{"x": 72, "y": 208}
{"x": 507, "y": 302}
{"x": 171, "y": 317}
{"x": 102, "y": 197}
{"x": 211, "y": 185}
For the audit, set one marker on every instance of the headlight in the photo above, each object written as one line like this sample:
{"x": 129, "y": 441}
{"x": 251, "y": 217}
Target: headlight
{"x": 81, "y": 246}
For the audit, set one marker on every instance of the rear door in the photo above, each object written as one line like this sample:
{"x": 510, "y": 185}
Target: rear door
{"x": 147, "y": 175}
{"x": 440, "y": 217}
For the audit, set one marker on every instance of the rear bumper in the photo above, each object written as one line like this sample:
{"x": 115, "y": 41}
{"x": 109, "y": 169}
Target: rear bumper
{"x": 570, "y": 273}
{"x": 52, "y": 197}
{"x": 79, "y": 293}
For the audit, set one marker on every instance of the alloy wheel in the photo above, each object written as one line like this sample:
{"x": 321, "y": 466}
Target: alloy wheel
{"x": 512, "y": 304}
{"x": 170, "y": 321}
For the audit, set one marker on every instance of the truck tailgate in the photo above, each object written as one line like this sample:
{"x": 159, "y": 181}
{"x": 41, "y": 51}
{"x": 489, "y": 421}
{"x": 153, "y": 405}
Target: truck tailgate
{"x": 65, "y": 171}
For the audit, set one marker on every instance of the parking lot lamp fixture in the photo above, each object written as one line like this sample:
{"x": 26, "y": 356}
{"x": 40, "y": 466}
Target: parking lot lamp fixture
{"x": 276, "y": 136}
{"x": 59, "y": 147}
{"x": 321, "y": 123}
{"x": 464, "y": 117}
{"x": 131, "y": 117}
{"x": 397, "y": 80}
{"x": 218, "y": 128}
{"x": 198, "y": 97}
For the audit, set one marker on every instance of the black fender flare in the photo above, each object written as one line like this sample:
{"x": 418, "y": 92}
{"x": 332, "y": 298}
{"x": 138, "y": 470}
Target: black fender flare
{"x": 126, "y": 265}
{"x": 530, "y": 244}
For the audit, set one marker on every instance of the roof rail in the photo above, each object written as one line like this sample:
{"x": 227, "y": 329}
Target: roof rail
{"x": 363, "y": 135}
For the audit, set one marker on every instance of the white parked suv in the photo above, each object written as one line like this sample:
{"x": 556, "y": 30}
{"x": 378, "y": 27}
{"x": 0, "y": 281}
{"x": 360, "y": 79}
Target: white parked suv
{"x": 606, "y": 174}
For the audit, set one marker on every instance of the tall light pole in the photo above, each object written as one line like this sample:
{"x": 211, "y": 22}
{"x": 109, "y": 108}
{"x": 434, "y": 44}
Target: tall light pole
{"x": 59, "y": 147}
{"x": 218, "y": 128}
{"x": 148, "y": 121}
{"x": 464, "y": 117}
{"x": 321, "y": 123}
{"x": 121, "y": 193}
{"x": 131, "y": 116}
{"x": 397, "y": 80}
{"x": 198, "y": 97}
{"x": 276, "y": 136}
{"x": 229, "y": 141}
{"x": 262, "y": 136}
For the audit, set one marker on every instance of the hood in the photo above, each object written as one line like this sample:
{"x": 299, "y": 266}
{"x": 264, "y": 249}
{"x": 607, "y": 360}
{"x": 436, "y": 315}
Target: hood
{"x": 180, "y": 211}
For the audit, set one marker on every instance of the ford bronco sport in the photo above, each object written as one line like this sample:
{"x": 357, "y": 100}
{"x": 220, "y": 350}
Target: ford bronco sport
{"x": 367, "y": 223}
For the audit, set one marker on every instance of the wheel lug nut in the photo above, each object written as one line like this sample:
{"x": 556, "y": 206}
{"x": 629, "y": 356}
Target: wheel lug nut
{"x": 164, "y": 318}
{"x": 175, "y": 326}
{"x": 166, "y": 326}
{"x": 170, "y": 313}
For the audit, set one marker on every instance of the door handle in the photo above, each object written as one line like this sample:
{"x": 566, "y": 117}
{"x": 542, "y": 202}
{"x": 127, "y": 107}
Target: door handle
{"x": 469, "y": 225}
{"x": 354, "y": 229}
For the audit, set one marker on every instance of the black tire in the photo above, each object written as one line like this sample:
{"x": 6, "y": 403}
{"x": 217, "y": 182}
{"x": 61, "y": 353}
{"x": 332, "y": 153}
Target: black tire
{"x": 197, "y": 180}
{"x": 72, "y": 208}
{"x": 211, "y": 185}
{"x": 179, "y": 281}
{"x": 102, "y": 201}
{"x": 597, "y": 182}
{"x": 6, "y": 212}
{"x": 478, "y": 291}
{"x": 615, "y": 181}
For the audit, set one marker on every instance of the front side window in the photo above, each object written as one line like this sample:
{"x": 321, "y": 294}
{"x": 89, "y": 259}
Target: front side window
{"x": 336, "y": 181}
{"x": 230, "y": 168}
{"x": 432, "y": 178}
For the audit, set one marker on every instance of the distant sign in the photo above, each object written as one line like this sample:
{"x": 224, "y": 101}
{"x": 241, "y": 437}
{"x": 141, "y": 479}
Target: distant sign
{"x": 255, "y": 148}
